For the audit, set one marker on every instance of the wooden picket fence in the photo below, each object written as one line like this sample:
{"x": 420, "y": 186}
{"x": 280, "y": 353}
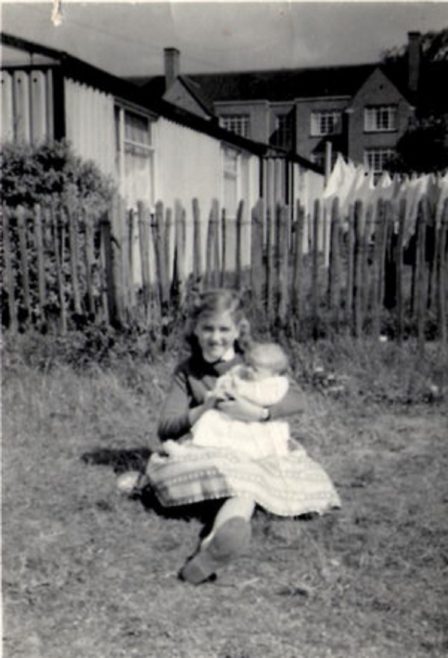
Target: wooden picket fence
{"x": 64, "y": 269}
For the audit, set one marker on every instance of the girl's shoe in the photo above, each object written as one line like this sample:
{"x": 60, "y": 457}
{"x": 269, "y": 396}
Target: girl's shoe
{"x": 131, "y": 483}
{"x": 230, "y": 540}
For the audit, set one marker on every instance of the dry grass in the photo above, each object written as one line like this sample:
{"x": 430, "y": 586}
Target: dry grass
{"x": 89, "y": 573}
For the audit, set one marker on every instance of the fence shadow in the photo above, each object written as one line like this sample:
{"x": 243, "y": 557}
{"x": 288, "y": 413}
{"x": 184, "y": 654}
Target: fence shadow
{"x": 135, "y": 459}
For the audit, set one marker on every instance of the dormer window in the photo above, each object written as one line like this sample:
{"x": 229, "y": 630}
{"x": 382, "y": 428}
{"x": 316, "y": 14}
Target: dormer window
{"x": 380, "y": 118}
{"x": 236, "y": 123}
{"x": 325, "y": 122}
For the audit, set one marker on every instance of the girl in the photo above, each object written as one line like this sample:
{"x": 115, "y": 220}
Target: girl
{"x": 288, "y": 485}
{"x": 261, "y": 379}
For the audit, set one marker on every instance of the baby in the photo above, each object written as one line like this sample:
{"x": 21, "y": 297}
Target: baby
{"x": 260, "y": 379}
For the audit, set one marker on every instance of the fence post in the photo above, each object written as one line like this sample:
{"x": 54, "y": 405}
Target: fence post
{"x": 89, "y": 257}
{"x": 39, "y": 244}
{"x": 358, "y": 261}
{"x": 366, "y": 273}
{"x": 334, "y": 271}
{"x": 158, "y": 233}
{"x": 130, "y": 242}
{"x": 378, "y": 265}
{"x": 399, "y": 271}
{"x": 421, "y": 288}
{"x": 223, "y": 246}
{"x": 209, "y": 250}
{"x": 315, "y": 267}
{"x": 212, "y": 253}
{"x": 74, "y": 257}
{"x": 59, "y": 259}
{"x": 350, "y": 263}
{"x": 167, "y": 233}
{"x": 256, "y": 258}
{"x": 239, "y": 246}
{"x": 143, "y": 240}
{"x": 217, "y": 265}
{"x": 108, "y": 263}
{"x": 297, "y": 276}
{"x": 117, "y": 257}
{"x": 269, "y": 262}
{"x": 282, "y": 262}
{"x": 179, "y": 250}
{"x": 442, "y": 275}
{"x": 197, "y": 244}
{"x": 9, "y": 271}
{"x": 21, "y": 226}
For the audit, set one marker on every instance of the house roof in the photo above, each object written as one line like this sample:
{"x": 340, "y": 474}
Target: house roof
{"x": 84, "y": 72}
{"x": 284, "y": 85}
{"x": 279, "y": 85}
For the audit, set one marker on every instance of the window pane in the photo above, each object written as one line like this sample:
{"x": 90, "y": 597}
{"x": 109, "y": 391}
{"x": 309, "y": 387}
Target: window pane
{"x": 237, "y": 123}
{"x": 381, "y": 118}
{"x": 377, "y": 159}
{"x": 282, "y": 135}
{"x": 137, "y": 129}
{"x": 325, "y": 123}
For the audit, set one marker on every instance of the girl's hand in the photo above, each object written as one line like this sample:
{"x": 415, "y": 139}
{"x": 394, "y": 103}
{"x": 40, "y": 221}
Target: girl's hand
{"x": 241, "y": 409}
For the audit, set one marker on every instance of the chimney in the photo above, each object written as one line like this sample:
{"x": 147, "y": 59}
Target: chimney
{"x": 172, "y": 66}
{"x": 414, "y": 57}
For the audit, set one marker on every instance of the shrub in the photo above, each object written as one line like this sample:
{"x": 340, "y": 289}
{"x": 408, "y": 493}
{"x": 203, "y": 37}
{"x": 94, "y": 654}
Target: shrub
{"x": 40, "y": 174}
{"x": 51, "y": 175}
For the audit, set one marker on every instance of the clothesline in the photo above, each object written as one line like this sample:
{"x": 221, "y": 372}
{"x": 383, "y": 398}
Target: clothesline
{"x": 351, "y": 182}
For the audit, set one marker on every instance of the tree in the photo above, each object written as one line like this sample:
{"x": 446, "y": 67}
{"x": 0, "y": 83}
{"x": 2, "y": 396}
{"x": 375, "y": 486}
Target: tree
{"x": 434, "y": 47}
{"x": 424, "y": 146}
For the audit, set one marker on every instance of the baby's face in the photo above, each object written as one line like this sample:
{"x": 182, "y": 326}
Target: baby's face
{"x": 256, "y": 371}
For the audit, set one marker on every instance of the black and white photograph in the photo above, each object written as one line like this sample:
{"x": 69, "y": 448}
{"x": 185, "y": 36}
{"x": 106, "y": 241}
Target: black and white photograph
{"x": 224, "y": 304}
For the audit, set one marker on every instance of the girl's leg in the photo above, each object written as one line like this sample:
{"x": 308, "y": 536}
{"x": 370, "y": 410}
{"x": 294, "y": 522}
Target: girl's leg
{"x": 229, "y": 538}
{"x": 240, "y": 506}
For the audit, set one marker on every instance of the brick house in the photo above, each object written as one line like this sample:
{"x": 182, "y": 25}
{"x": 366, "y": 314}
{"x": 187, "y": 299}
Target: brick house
{"x": 362, "y": 110}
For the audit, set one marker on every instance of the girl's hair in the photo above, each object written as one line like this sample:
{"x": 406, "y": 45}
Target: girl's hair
{"x": 215, "y": 302}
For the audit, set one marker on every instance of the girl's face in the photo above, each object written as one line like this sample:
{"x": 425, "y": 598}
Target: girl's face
{"x": 216, "y": 334}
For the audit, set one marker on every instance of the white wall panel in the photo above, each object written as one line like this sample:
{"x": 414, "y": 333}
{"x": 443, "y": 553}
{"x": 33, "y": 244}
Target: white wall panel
{"x": 21, "y": 86}
{"x": 38, "y": 107}
{"x": 7, "y": 111}
{"x": 90, "y": 124}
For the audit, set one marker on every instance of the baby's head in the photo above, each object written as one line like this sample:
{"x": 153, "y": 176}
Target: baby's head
{"x": 265, "y": 360}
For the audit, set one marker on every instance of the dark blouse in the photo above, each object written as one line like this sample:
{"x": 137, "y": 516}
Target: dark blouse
{"x": 191, "y": 381}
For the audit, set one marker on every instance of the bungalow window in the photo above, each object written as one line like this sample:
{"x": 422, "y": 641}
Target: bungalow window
{"x": 231, "y": 170}
{"x": 380, "y": 118}
{"x": 134, "y": 156}
{"x": 236, "y": 123}
{"x": 377, "y": 159}
{"x": 282, "y": 135}
{"x": 325, "y": 122}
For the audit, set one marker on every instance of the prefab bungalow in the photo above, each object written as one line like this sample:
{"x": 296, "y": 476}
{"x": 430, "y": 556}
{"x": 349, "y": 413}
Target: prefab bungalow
{"x": 152, "y": 149}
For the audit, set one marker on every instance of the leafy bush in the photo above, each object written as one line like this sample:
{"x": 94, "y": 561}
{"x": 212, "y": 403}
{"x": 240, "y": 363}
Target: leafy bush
{"x": 40, "y": 174}
{"x": 52, "y": 176}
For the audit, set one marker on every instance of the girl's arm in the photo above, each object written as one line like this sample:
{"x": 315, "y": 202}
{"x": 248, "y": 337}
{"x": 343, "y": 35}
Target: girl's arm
{"x": 292, "y": 403}
{"x": 241, "y": 409}
{"x": 177, "y": 417}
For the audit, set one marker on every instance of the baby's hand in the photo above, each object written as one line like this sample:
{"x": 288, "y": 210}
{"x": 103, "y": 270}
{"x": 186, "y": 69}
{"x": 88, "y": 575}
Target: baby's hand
{"x": 225, "y": 390}
{"x": 211, "y": 400}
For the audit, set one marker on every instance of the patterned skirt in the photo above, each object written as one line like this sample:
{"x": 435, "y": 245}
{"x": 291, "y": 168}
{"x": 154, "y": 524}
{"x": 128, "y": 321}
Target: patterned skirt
{"x": 288, "y": 485}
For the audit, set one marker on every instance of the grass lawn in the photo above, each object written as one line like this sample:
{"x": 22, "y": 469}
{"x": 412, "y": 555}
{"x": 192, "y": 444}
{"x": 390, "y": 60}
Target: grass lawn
{"x": 88, "y": 573}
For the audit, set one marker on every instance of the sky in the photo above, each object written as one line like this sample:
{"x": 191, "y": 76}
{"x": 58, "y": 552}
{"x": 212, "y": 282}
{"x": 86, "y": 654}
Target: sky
{"x": 127, "y": 38}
